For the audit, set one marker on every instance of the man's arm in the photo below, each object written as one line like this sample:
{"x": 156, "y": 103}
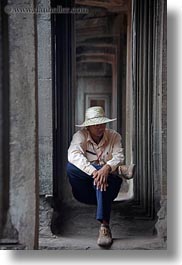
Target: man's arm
{"x": 76, "y": 153}
{"x": 100, "y": 177}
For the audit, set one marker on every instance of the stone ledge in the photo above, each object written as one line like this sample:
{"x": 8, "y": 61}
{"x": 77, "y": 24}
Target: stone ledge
{"x": 10, "y": 244}
{"x": 70, "y": 243}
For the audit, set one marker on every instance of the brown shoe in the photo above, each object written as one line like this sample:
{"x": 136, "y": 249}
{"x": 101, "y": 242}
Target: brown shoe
{"x": 105, "y": 236}
{"x": 127, "y": 172}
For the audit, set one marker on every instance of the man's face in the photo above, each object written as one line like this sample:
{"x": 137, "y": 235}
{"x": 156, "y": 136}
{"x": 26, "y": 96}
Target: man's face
{"x": 97, "y": 130}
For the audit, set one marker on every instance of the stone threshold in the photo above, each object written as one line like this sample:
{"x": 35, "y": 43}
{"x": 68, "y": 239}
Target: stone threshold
{"x": 73, "y": 243}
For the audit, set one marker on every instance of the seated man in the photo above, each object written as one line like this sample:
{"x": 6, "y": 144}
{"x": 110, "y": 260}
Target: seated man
{"x": 94, "y": 156}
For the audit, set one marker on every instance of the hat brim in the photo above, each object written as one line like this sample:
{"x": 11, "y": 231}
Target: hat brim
{"x": 95, "y": 121}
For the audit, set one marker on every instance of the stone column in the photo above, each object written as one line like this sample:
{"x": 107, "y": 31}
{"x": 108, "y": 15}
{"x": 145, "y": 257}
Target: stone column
{"x": 45, "y": 98}
{"x": 23, "y": 206}
{"x": 4, "y": 119}
{"x": 161, "y": 224}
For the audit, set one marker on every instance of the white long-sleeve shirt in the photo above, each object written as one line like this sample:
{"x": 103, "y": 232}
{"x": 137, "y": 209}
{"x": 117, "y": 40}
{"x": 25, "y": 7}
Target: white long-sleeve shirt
{"x": 83, "y": 151}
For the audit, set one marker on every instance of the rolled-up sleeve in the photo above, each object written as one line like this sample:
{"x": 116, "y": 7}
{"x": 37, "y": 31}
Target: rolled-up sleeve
{"x": 76, "y": 153}
{"x": 117, "y": 153}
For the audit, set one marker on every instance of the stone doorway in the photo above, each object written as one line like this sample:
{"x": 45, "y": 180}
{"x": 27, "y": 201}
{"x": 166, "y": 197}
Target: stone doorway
{"x": 97, "y": 72}
{"x": 106, "y": 53}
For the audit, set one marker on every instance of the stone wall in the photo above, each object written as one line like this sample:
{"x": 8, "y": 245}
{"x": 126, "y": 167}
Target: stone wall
{"x": 164, "y": 101}
{"x": 1, "y": 135}
{"x": 23, "y": 124}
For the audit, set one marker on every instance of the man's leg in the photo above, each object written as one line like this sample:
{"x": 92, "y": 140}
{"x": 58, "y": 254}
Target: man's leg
{"x": 84, "y": 191}
{"x": 104, "y": 202}
{"x": 82, "y": 185}
{"x": 105, "y": 198}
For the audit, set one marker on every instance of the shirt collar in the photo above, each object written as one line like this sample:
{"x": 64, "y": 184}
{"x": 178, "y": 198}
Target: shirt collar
{"x": 103, "y": 140}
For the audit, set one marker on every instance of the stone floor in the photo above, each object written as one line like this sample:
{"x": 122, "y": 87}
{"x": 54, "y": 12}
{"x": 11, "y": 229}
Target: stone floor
{"x": 76, "y": 229}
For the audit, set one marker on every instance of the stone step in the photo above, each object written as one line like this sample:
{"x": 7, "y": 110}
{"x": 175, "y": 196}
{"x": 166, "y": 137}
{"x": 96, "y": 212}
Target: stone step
{"x": 10, "y": 244}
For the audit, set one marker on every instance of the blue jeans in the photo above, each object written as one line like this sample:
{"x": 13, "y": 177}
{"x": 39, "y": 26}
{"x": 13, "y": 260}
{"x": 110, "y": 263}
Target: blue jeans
{"x": 84, "y": 190}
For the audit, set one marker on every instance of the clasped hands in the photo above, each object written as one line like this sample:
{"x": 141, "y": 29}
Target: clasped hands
{"x": 100, "y": 177}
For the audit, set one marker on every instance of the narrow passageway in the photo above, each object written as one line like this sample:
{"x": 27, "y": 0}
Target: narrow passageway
{"x": 113, "y": 67}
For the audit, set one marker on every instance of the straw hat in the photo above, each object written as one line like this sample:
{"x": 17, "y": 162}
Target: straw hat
{"x": 93, "y": 116}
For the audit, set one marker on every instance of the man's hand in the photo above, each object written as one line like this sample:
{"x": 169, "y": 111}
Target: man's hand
{"x": 100, "y": 177}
